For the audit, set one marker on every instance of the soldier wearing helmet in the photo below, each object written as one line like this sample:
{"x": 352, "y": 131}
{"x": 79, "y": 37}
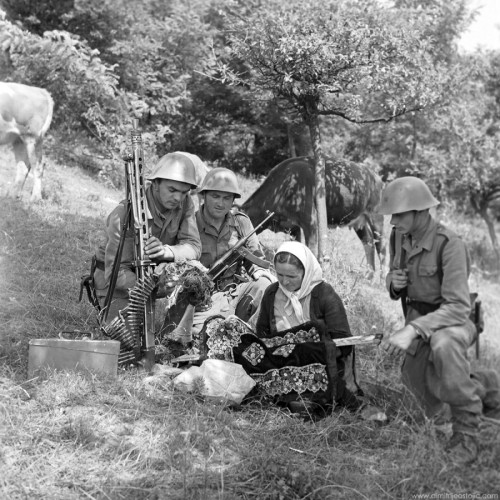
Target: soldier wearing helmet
{"x": 238, "y": 291}
{"x": 174, "y": 234}
{"x": 429, "y": 271}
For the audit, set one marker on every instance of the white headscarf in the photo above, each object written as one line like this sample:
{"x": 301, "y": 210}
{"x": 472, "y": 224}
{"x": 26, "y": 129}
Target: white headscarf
{"x": 313, "y": 274}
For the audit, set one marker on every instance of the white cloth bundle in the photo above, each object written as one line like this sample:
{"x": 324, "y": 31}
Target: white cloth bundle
{"x": 221, "y": 379}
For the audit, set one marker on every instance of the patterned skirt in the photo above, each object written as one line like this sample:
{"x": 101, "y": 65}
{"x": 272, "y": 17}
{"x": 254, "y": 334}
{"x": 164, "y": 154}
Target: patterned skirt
{"x": 291, "y": 363}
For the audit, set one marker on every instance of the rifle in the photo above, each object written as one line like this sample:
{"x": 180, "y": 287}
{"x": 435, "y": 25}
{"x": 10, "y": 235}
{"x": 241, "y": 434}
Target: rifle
{"x": 136, "y": 192}
{"x": 238, "y": 252}
{"x": 134, "y": 326}
{"x": 374, "y": 339}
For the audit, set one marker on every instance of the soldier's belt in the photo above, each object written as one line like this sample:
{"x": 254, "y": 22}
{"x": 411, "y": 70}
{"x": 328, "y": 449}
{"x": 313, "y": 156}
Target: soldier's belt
{"x": 422, "y": 308}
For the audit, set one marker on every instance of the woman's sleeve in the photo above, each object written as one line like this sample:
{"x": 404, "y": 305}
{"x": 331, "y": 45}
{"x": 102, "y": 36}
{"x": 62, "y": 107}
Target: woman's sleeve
{"x": 334, "y": 313}
{"x": 263, "y": 328}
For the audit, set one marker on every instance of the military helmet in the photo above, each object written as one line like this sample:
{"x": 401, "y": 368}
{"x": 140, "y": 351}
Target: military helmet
{"x": 200, "y": 166}
{"x": 405, "y": 194}
{"x": 220, "y": 179}
{"x": 175, "y": 167}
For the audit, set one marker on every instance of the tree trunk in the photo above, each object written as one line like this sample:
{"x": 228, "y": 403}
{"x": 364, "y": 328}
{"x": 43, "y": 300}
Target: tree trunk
{"x": 481, "y": 208}
{"x": 320, "y": 190}
{"x": 291, "y": 142}
{"x": 493, "y": 236}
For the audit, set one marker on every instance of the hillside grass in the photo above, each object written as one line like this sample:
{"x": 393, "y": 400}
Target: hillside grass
{"x": 80, "y": 436}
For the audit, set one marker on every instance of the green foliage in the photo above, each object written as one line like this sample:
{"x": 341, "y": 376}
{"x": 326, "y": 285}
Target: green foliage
{"x": 109, "y": 61}
{"x": 38, "y": 16}
{"x": 396, "y": 146}
{"x": 356, "y": 60}
{"x": 83, "y": 87}
{"x": 447, "y": 21}
{"x": 465, "y": 154}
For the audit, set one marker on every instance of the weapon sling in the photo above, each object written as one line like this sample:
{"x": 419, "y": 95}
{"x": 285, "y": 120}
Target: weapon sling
{"x": 116, "y": 262}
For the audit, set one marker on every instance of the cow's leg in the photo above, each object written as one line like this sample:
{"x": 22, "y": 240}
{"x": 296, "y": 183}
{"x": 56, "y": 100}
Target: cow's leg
{"x": 378, "y": 234}
{"x": 22, "y": 166}
{"x": 365, "y": 234}
{"x": 296, "y": 233}
{"x": 34, "y": 149}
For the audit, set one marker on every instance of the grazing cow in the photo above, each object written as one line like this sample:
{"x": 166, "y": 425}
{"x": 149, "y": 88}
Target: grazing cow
{"x": 25, "y": 116}
{"x": 352, "y": 192}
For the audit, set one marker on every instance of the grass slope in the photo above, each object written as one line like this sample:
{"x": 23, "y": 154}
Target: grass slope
{"x": 78, "y": 436}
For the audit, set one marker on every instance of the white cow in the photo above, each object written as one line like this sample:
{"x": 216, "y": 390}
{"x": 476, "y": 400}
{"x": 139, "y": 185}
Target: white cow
{"x": 25, "y": 117}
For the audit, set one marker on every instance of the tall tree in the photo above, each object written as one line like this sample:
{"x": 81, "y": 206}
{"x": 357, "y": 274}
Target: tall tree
{"x": 465, "y": 157}
{"x": 397, "y": 147}
{"x": 358, "y": 60}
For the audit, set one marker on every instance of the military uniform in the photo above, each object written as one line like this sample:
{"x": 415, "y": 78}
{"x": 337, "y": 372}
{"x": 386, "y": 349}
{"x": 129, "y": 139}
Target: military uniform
{"x": 245, "y": 296}
{"x": 437, "y": 298}
{"x": 175, "y": 228}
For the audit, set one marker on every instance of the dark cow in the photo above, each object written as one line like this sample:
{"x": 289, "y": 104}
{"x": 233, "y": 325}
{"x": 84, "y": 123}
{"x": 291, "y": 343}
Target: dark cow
{"x": 352, "y": 192}
{"x": 25, "y": 116}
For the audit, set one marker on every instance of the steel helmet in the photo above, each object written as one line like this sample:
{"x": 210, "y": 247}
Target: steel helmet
{"x": 175, "y": 167}
{"x": 220, "y": 179}
{"x": 200, "y": 166}
{"x": 405, "y": 194}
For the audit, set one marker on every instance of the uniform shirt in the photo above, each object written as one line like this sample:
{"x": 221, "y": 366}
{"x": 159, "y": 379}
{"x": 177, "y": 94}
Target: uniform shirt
{"x": 215, "y": 243}
{"x": 175, "y": 228}
{"x": 449, "y": 291}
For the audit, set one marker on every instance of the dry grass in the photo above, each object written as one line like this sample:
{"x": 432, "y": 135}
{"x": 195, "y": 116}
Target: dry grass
{"x": 78, "y": 436}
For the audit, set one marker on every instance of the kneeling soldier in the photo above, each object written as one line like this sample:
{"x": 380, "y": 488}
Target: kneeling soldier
{"x": 174, "y": 235}
{"x": 429, "y": 272}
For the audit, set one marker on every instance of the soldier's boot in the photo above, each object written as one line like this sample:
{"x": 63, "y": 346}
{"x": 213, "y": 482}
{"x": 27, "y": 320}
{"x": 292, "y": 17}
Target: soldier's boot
{"x": 183, "y": 331}
{"x": 462, "y": 448}
{"x": 493, "y": 413}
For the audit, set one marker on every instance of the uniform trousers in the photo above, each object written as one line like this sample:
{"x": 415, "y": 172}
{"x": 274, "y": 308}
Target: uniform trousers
{"x": 438, "y": 371}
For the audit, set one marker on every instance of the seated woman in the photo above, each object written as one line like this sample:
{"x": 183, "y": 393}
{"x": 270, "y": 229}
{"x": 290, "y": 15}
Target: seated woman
{"x": 292, "y": 354}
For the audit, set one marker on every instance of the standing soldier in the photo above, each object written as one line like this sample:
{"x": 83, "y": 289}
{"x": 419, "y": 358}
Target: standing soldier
{"x": 429, "y": 273}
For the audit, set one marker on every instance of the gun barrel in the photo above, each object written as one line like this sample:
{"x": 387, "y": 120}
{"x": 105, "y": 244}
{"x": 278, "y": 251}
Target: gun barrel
{"x": 216, "y": 269}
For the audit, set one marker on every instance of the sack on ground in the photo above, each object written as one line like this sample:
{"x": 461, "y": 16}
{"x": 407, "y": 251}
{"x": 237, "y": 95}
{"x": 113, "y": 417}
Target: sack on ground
{"x": 221, "y": 379}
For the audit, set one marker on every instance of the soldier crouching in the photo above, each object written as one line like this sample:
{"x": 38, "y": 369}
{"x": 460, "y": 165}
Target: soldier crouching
{"x": 429, "y": 269}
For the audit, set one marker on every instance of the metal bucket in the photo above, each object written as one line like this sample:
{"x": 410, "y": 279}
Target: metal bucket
{"x": 100, "y": 356}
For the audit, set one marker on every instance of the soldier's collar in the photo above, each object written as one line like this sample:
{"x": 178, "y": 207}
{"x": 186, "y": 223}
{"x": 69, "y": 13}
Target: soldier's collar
{"x": 427, "y": 239}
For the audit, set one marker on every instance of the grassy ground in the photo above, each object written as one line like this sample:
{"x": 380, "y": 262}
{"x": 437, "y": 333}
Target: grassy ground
{"x": 78, "y": 436}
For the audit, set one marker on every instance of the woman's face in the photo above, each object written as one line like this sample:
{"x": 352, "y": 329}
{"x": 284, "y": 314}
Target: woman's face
{"x": 289, "y": 276}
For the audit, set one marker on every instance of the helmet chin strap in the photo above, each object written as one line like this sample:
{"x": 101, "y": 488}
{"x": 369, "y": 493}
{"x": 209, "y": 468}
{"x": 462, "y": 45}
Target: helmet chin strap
{"x": 419, "y": 224}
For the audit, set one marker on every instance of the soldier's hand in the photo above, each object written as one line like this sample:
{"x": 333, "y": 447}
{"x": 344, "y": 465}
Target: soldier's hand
{"x": 259, "y": 273}
{"x": 198, "y": 265}
{"x": 399, "y": 279}
{"x": 156, "y": 250}
{"x": 400, "y": 340}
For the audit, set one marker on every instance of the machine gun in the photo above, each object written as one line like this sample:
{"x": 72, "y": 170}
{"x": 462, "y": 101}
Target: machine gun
{"x": 236, "y": 253}
{"x": 134, "y": 326}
